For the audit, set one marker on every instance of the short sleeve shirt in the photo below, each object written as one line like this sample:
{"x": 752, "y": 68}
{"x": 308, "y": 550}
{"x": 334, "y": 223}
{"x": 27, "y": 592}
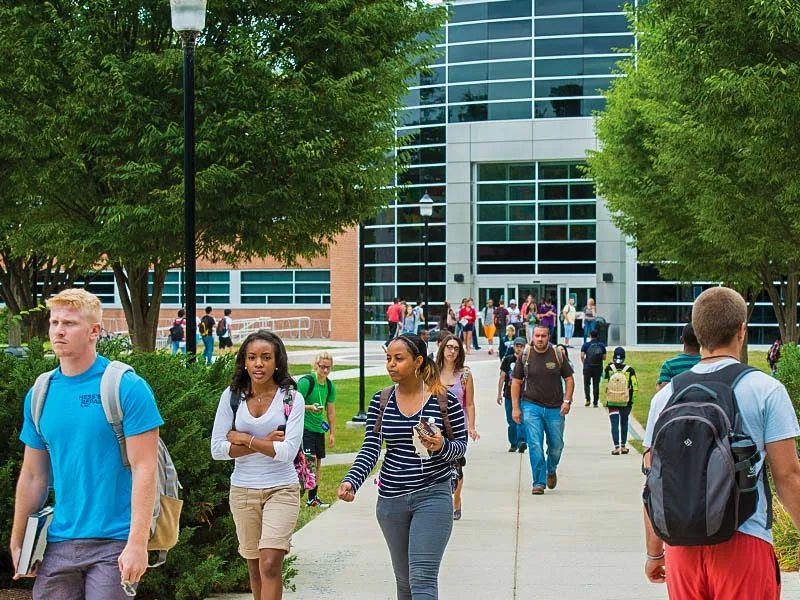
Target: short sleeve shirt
{"x": 92, "y": 488}
{"x": 319, "y": 395}
{"x": 545, "y": 371}
{"x": 767, "y": 416}
{"x": 585, "y": 351}
{"x": 676, "y": 365}
{"x": 507, "y": 368}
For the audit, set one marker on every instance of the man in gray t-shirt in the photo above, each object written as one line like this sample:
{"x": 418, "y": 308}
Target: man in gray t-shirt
{"x": 743, "y": 566}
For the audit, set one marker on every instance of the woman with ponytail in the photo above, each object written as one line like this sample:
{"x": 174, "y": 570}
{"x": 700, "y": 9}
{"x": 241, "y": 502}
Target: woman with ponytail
{"x": 458, "y": 379}
{"x": 415, "y": 505}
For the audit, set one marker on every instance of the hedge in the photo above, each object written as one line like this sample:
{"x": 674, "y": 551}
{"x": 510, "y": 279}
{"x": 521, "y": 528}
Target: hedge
{"x": 205, "y": 561}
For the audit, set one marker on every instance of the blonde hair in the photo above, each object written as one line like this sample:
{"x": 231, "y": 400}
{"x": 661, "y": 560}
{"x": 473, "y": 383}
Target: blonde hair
{"x": 324, "y": 355}
{"x": 717, "y": 315}
{"x": 510, "y": 328}
{"x": 86, "y": 302}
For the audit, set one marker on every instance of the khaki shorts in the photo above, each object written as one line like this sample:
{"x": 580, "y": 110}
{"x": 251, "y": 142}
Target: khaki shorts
{"x": 265, "y": 518}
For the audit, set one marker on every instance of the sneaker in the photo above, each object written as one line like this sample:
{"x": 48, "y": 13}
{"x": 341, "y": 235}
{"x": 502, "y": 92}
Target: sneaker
{"x": 457, "y": 515}
{"x": 537, "y": 490}
{"x": 317, "y": 503}
{"x": 595, "y": 405}
{"x": 512, "y": 448}
{"x": 587, "y": 403}
{"x": 552, "y": 481}
{"x": 522, "y": 447}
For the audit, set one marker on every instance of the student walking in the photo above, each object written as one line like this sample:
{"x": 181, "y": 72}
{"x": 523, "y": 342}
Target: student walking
{"x": 319, "y": 393}
{"x": 206, "y": 330}
{"x": 177, "y": 333}
{"x": 487, "y": 318}
{"x": 467, "y": 318}
{"x": 568, "y": 315}
{"x": 589, "y": 319}
{"x": 259, "y": 425}
{"x": 593, "y": 355}
{"x": 682, "y": 362}
{"x": 423, "y": 427}
{"x": 500, "y": 323}
{"x": 458, "y": 379}
{"x": 718, "y": 545}
{"x": 101, "y": 525}
{"x": 622, "y": 384}
{"x": 447, "y": 321}
{"x": 508, "y": 346}
{"x": 410, "y": 322}
{"x": 541, "y": 404}
{"x": 546, "y": 314}
{"x": 224, "y": 332}
{"x": 516, "y": 432}
{"x": 394, "y": 316}
{"x": 514, "y": 318}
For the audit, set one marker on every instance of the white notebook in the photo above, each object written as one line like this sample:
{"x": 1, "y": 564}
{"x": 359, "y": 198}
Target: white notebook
{"x": 35, "y": 540}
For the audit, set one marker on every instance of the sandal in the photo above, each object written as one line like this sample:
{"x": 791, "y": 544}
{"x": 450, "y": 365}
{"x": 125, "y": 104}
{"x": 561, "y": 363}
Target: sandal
{"x": 616, "y": 452}
{"x": 625, "y": 450}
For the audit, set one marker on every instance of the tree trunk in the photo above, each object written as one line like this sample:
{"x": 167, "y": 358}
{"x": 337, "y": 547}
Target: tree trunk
{"x": 14, "y": 330}
{"x": 141, "y": 309}
{"x": 783, "y": 298}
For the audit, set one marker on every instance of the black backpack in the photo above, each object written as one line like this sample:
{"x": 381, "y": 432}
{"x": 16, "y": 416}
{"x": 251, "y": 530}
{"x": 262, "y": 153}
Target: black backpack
{"x": 176, "y": 332}
{"x": 702, "y": 483}
{"x": 312, "y": 381}
{"x": 594, "y": 354}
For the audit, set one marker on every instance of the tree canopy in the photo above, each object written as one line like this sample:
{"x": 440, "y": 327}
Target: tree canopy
{"x": 295, "y": 115}
{"x": 699, "y": 158}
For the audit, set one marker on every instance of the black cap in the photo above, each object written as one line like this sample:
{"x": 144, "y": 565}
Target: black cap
{"x": 619, "y": 355}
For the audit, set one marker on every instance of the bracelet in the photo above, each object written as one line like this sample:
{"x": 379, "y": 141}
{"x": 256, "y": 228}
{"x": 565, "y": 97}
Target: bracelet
{"x": 249, "y": 444}
{"x": 659, "y": 557}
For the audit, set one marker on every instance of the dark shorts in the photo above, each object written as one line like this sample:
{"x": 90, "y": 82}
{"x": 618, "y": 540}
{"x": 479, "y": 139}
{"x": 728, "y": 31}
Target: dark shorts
{"x": 314, "y": 443}
{"x": 469, "y": 327}
{"x": 225, "y": 342}
{"x": 85, "y": 569}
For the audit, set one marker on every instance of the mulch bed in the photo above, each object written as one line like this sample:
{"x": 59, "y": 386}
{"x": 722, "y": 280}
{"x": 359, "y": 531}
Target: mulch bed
{"x": 15, "y": 595}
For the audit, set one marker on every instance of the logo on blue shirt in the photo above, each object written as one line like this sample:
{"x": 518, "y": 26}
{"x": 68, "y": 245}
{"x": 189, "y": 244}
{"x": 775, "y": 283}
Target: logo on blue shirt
{"x": 88, "y": 400}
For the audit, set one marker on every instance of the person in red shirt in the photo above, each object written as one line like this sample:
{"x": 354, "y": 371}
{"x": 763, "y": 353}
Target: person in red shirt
{"x": 394, "y": 315}
{"x": 467, "y": 317}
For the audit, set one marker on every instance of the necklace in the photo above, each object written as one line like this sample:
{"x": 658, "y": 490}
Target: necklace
{"x": 719, "y": 356}
{"x": 260, "y": 397}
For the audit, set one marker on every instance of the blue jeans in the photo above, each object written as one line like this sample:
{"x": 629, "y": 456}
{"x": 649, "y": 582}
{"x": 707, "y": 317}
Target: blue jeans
{"x": 516, "y": 431}
{"x": 619, "y": 424}
{"x": 208, "y": 348}
{"x": 539, "y": 423}
{"x": 417, "y": 527}
{"x": 588, "y": 327}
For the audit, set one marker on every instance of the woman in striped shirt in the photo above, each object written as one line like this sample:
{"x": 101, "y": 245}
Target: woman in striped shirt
{"x": 415, "y": 504}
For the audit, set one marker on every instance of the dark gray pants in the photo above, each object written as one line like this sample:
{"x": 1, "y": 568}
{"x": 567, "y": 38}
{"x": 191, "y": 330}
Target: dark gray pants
{"x": 417, "y": 527}
{"x": 80, "y": 570}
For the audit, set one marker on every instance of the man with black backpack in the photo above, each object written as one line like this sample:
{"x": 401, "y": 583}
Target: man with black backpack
{"x": 710, "y": 434}
{"x": 593, "y": 355}
{"x": 206, "y": 330}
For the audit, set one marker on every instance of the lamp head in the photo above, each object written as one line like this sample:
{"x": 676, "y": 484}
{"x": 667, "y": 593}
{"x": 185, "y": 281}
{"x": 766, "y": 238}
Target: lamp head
{"x": 188, "y": 15}
{"x": 426, "y": 206}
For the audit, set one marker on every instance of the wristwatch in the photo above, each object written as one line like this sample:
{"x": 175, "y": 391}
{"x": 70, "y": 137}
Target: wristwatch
{"x": 567, "y": 401}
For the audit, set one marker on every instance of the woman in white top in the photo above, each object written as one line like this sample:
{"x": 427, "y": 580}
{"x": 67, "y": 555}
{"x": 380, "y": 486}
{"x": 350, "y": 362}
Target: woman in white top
{"x": 262, "y": 434}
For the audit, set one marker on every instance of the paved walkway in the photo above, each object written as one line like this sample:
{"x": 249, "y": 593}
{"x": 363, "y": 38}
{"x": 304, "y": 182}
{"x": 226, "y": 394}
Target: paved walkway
{"x": 582, "y": 541}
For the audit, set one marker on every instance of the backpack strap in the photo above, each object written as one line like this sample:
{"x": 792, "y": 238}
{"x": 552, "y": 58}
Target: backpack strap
{"x": 444, "y": 401}
{"x": 464, "y": 376}
{"x": 38, "y": 396}
{"x": 729, "y": 376}
{"x": 330, "y": 387}
{"x": 112, "y": 404}
{"x": 311, "y": 382}
{"x": 386, "y": 394}
{"x": 288, "y": 400}
{"x": 614, "y": 368}
{"x": 235, "y": 400}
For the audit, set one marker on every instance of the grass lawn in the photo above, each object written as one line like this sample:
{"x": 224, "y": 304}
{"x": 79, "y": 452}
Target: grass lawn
{"x": 648, "y": 365}
{"x": 332, "y": 476}
{"x": 300, "y": 369}
{"x": 296, "y": 347}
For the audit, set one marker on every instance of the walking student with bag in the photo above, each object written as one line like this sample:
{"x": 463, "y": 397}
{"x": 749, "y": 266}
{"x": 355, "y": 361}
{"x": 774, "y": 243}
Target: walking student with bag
{"x": 97, "y": 542}
{"x": 593, "y": 355}
{"x": 206, "y": 331}
{"x": 458, "y": 379}
{"x": 622, "y": 384}
{"x": 320, "y": 396}
{"x": 259, "y": 425}
{"x": 424, "y": 430}
{"x": 711, "y": 434}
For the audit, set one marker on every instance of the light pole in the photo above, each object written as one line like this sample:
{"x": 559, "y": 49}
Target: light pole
{"x": 188, "y": 20}
{"x": 426, "y": 211}
{"x": 361, "y": 416}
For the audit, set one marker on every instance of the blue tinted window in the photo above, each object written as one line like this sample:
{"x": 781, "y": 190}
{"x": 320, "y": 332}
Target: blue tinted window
{"x": 558, "y": 47}
{"x": 426, "y": 156}
{"x": 490, "y": 51}
{"x": 570, "y": 87}
{"x": 572, "y": 7}
{"x": 605, "y": 24}
{"x": 490, "y": 31}
{"x": 582, "y": 45}
{"x": 468, "y": 12}
{"x": 422, "y": 136}
{"x": 490, "y": 112}
{"x": 568, "y": 67}
{"x": 482, "y": 71}
{"x": 607, "y": 44}
{"x": 467, "y": 113}
{"x": 495, "y": 10}
{"x": 422, "y": 175}
{"x": 578, "y": 25}
{"x": 422, "y": 96}
{"x": 492, "y": 91}
{"x": 549, "y": 109}
{"x": 432, "y": 76}
{"x": 422, "y": 116}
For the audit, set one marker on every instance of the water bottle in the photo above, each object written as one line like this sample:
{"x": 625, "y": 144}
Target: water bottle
{"x": 745, "y": 450}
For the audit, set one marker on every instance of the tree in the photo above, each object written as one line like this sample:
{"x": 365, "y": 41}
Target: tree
{"x": 699, "y": 154}
{"x": 295, "y": 115}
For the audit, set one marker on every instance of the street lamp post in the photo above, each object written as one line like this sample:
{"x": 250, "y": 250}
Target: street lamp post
{"x": 361, "y": 416}
{"x": 426, "y": 211}
{"x": 188, "y": 20}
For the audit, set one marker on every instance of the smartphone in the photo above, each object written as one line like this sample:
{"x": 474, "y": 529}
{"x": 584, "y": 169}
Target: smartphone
{"x": 282, "y": 428}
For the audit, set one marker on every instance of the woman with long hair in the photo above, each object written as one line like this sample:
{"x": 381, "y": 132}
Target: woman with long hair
{"x": 410, "y": 319}
{"x": 467, "y": 317}
{"x": 589, "y": 319}
{"x": 415, "y": 506}
{"x": 447, "y": 322}
{"x": 259, "y": 425}
{"x": 458, "y": 379}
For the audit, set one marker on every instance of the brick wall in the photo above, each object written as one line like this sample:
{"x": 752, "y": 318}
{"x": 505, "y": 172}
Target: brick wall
{"x": 344, "y": 287}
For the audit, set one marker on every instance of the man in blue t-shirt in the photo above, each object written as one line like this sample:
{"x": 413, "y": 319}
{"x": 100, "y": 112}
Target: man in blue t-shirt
{"x": 101, "y": 523}
{"x": 593, "y": 355}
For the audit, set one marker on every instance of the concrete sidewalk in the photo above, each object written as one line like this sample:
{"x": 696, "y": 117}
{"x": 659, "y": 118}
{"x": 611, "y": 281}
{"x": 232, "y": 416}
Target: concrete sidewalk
{"x": 581, "y": 541}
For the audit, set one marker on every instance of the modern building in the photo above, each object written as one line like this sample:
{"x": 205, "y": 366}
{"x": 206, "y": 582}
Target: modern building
{"x": 496, "y": 132}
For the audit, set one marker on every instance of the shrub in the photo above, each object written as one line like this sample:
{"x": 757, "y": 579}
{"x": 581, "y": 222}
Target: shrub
{"x": 205, "y": 561}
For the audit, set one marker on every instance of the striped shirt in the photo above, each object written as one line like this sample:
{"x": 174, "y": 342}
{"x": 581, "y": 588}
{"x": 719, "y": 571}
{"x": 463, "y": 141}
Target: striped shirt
{"x": 676, "y": 365}
{"x": 403, "y": 471}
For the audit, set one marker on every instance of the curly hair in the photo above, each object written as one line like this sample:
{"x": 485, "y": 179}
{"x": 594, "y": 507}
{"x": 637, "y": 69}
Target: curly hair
{"x": 240, "y": 383}
{"x": 460, "y": 358}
